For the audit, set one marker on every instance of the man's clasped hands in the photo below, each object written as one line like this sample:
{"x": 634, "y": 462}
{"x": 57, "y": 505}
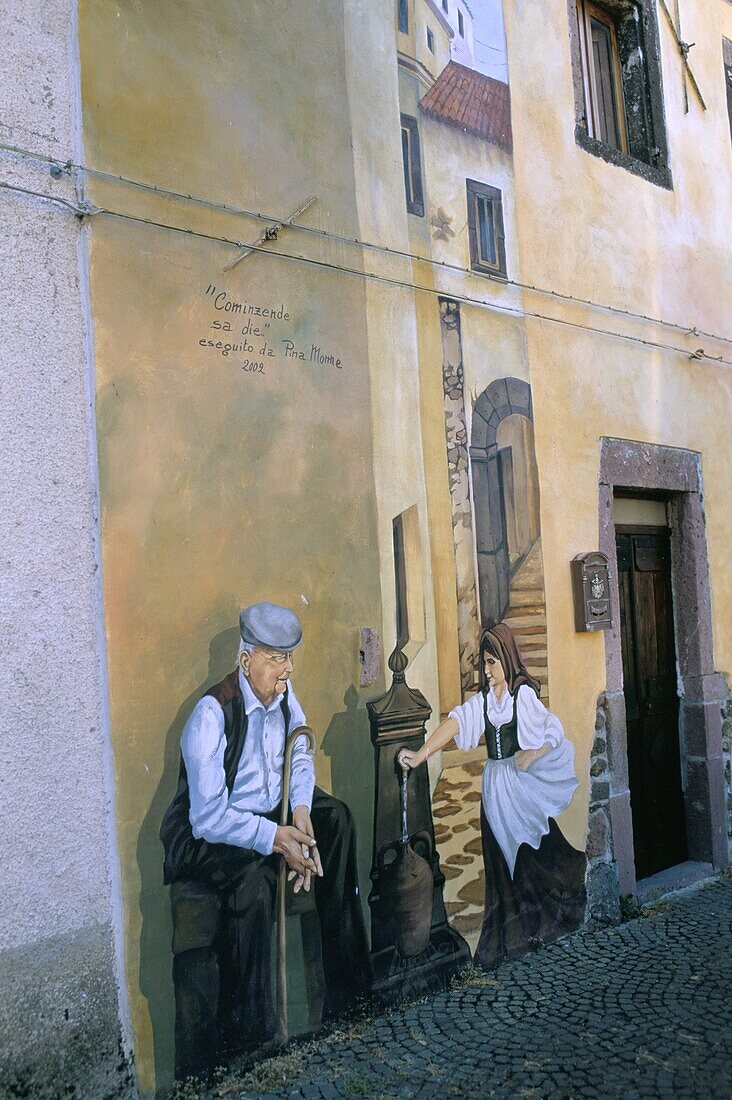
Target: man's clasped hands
{"x": 297, "y": 844}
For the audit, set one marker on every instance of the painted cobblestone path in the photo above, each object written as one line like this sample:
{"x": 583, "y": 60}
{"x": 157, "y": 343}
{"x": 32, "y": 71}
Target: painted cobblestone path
{"x": 641, "y": 1010}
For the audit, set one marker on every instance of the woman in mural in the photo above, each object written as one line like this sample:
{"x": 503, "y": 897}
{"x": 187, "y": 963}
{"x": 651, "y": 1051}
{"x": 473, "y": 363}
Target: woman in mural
{"x": 534, "y": 879}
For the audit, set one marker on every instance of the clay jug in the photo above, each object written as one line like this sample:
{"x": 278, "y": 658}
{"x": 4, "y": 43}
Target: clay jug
{"x": 406, "y": 886}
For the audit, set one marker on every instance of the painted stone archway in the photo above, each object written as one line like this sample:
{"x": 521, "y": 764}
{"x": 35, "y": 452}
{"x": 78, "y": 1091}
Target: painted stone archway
{"x": 493, "y": 484}
{"x": 495, "y": 508}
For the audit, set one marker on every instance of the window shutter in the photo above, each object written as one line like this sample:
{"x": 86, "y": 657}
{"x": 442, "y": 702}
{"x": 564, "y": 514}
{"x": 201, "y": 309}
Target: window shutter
{"x": 412, "y": 156}
{"x": 417, "y": 191}
{"x": 473, "y": 227}
{"x": 500, "y": 234}
{"x": 606, "y": 109}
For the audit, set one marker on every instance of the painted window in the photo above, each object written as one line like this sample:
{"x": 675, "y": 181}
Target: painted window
{"x": 412, "y": 166}
{"x": 461, "y": 24}
{"x": 444, "y": 5}
{"x": 403, "y": 15}
{"x": 616, "y": 61}
{"x": 430, "y": 41}
{"x": 485, "y": 229}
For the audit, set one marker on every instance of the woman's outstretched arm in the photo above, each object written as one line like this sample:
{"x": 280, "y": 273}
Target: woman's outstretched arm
{"x": 437, "y": 740}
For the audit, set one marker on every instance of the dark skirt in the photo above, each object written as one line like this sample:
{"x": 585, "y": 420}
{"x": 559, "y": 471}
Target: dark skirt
{"x": 545, "y": 899}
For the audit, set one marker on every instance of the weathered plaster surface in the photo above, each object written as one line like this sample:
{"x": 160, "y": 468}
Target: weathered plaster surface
{"x": 53, "y": 855}
{"x": 59, "y": 1019}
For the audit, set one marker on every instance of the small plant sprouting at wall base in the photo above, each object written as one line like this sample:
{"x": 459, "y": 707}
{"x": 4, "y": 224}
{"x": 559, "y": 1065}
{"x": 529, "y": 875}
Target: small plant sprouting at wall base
{"x": 190, "y": 1089}
{"x": 629, "y": 908}
{"x": 472, "y": 975}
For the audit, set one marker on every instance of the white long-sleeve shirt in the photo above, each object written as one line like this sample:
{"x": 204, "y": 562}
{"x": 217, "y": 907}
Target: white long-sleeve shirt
{"x": 236, "y": 818}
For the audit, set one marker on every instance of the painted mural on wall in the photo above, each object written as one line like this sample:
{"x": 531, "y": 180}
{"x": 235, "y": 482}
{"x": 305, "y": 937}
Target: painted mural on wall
{"x": 534, "y": 879}
{"x": 277, "y": 442}
{"x": 494, "y": 486}
{"x": 246, "y": 809}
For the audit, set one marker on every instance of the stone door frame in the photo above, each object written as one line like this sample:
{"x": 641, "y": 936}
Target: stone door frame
{"x": 676, "y": 475}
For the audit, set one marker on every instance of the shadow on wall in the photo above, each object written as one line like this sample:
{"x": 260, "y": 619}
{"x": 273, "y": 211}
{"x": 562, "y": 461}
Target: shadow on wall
{"x": 348, "y": 746}
{"x": 156, "y": 959}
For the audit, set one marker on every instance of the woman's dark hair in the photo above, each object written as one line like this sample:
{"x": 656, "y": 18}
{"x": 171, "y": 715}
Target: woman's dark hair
{"x": 500, "y": 641}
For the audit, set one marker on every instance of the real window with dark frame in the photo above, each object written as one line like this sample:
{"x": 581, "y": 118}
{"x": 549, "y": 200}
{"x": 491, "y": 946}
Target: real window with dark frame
{"x": 461, "y": 24}
{"x": 618, "y": 86}
{"x": 412, "y": 161}
{"x": 485, "y": 229}
{"x": 603, "y": 84}
{"x": 403, "y": 16}
{"x": 430, "y": 40}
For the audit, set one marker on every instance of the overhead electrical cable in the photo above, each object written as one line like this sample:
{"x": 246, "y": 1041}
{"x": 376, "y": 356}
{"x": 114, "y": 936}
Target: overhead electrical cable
{"x": 68, "y": 166}
{"x": 87, "y": 210}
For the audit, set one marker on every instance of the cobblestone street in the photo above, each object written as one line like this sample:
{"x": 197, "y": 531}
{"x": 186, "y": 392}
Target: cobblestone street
{"x": 640, "y": 1010}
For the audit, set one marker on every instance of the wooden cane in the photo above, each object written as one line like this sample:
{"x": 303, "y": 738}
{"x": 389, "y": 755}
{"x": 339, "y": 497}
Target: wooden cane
{"x": 282, "y": 1034}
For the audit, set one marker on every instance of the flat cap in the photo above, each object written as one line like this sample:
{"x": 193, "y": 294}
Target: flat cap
{"x": 270, "y": 625}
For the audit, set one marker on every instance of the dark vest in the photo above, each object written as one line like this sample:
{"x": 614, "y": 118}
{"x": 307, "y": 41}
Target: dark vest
{"x": 502, "y": 741}
{"x": 185, "y": 856}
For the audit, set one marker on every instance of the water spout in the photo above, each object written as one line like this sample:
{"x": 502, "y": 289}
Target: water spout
{"x": 405, "y": 829}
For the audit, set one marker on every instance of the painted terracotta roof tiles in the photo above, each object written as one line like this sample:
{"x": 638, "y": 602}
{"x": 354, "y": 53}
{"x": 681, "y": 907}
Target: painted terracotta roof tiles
{"x": 474, "y": 102}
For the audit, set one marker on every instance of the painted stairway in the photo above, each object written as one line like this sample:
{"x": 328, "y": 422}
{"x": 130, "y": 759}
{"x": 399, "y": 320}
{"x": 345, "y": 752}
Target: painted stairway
{"x": 526, "y": 616}
{"x": 456, "y": 799}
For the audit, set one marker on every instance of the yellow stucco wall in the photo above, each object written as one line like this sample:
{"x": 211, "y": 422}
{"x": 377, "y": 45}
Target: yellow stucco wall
{"x": 594, "y": 230}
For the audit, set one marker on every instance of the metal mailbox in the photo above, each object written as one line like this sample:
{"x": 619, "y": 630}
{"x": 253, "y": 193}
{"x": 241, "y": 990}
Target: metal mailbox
{"x": 591, "y": 592}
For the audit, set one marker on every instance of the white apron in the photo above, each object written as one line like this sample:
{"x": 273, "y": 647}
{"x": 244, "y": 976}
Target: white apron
{"x": 517, "y": 804}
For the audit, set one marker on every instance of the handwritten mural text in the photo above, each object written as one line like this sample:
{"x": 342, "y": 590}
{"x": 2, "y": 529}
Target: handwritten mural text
{"x": 243, "y": 331}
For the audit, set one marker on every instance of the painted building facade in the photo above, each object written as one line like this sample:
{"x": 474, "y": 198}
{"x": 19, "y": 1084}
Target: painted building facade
{"x": 491, "y": 339}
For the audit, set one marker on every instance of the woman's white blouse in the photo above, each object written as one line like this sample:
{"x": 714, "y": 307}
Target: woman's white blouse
{"x": 536, "y": 725}
{"x": 520, "y": 804}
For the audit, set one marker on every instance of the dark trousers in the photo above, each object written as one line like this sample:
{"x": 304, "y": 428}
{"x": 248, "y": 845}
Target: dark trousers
{"x": 222, "y": 946}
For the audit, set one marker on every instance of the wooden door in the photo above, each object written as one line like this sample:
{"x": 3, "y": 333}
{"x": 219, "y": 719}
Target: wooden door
{"x": 651, "y": 698}
{"x": 491, "y": 542}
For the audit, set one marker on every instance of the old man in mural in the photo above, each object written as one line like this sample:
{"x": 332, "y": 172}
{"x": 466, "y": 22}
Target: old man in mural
{"x": 222, "y": 845}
